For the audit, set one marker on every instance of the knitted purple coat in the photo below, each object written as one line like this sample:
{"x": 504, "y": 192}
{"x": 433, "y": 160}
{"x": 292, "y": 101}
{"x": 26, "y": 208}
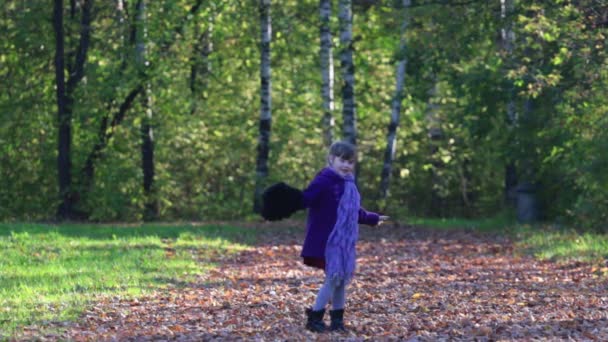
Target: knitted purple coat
{"x": 321, "y": 198}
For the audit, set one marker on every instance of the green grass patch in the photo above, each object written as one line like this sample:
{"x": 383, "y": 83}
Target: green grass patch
{"x": 544, "y": 241}
{"x": 553, "y": 243}
{"x": 50, "y": 273}
{"x": 492, "y": 224}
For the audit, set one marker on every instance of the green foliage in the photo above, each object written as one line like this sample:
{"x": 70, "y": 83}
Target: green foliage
{"x": 458, "y": 81}
{"x": 53, "y": 272}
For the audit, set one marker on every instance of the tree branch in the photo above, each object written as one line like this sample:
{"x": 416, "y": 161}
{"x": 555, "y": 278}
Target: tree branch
{"x": 83, "y": 46}
{"x": 104, "y": 134}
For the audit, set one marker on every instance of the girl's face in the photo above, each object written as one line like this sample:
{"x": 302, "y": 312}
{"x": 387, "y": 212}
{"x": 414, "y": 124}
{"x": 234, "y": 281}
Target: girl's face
{"x": 341, "y": 166}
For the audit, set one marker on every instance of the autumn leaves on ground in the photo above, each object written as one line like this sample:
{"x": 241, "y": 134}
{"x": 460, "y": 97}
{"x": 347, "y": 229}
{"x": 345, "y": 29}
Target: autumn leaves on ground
{"x": 412, "y": 284}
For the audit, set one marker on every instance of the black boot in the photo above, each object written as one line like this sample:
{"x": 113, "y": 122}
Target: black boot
{"x": 315, "y": 320}
{"x": 337, "y": 320}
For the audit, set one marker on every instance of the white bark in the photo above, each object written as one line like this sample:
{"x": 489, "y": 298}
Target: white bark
{"x": 349, "y": 114}
{"x": 508, "y": 41}
{"x": 327, "y": 71}
{"x": 391, "y": 139}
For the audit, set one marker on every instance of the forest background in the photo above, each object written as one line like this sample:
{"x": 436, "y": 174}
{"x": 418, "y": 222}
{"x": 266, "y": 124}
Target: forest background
{"x": 186, "y": 109}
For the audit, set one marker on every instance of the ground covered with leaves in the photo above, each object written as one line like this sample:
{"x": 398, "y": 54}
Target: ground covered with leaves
{"x": 412, "y": 284}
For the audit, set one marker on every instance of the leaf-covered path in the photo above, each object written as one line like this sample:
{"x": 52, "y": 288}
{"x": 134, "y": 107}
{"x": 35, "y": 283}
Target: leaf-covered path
{"x": 411, "y": 284}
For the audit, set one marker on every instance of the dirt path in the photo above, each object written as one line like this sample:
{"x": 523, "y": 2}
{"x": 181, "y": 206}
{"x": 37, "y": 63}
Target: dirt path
{"x": 412, "y": 284}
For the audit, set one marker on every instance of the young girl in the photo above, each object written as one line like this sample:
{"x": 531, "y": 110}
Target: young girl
{"x": 334, "y": 212}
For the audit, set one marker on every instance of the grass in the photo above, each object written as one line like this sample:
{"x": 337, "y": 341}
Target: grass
{"x": 492, "y": 224}
{"x": 548, "y": 242}
{"x": 50, "y": 273}
{"x": 544, "y": 241}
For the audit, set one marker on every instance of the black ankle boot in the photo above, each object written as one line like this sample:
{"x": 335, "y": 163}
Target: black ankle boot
{"x": 337, "y": 320}
{"x": 315, "y": 320}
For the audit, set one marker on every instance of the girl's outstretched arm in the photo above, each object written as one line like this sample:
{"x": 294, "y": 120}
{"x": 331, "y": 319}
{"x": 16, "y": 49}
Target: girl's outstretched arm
{"x": 371, "y": 218}
{"x": 368, "y": 217}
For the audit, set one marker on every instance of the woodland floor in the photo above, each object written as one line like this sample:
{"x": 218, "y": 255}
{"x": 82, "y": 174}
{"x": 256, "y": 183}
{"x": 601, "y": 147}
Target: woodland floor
{"x": 412, "y": 284}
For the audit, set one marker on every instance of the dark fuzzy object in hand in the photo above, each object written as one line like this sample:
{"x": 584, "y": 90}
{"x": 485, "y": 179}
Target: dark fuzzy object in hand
{"x": 280, "y": 201}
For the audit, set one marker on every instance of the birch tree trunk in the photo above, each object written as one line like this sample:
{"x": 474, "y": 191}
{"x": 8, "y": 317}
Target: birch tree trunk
{"x": 391, "y": 138}
{"x": 507, "y": 40}
{"x": 266, "y": 105}
{"x": 65, "y": 100}
{"x": 327, "y": 72}
{"x": 121, "y": 20}
{"x": 147, "y": 137}
{"x": 349, "y": 130}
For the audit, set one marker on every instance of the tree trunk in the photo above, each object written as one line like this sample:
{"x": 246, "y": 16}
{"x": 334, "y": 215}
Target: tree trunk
{"x": 507, "y": 40}
{"x": 64, "y": 118}
{"x": 327, "y": 72}
{"x": 65, "y": 101}
{"x": 147, "y": 138}
{"x": 389, "y": 154}
{"x": 121, "y": 19}
{"x": 147, "y": 158}
{"x": 349, "y": 114}
{"x": 527, "y": 189}
{"x": 266, "y": 105}
{"x": 113, "y": 120}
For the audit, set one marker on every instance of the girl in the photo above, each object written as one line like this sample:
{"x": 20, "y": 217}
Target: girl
{"x": 334, "y": 211}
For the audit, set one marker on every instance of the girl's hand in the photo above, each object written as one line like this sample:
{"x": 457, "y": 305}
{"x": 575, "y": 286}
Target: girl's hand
{"x": 382, "y": 219}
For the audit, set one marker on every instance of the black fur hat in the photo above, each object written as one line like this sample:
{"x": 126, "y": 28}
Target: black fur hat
{"x": 280, "y": 201}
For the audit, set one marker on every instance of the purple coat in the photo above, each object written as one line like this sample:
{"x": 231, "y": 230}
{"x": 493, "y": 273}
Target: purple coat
{"x": 321, "y": 198}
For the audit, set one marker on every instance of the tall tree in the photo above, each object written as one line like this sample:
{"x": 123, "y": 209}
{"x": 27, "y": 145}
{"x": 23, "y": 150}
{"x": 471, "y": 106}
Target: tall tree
{"x": 63, "y": 116}
{"x": 391, "y": 137}
{"x": 507, "y": 40}
{"x": 65, "y": 99}
{"x": 147, "y": 137}
{"x": 349, "y": 112}
{"x": 266, "y": 105}
{"x": 327, "y": 72}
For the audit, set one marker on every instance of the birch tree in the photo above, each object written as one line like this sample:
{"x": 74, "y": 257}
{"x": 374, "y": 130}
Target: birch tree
{"x": 349, "y": 130}
{"x": 507, "y": 41}
{"x": 391, "y": 137}
{"x": 265, "y": 104}
{"x": 146, "y": 131}
{"x": 327, "y": 72}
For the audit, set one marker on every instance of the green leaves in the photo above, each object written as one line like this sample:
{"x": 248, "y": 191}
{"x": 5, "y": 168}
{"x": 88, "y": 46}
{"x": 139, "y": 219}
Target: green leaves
{"x": 205, "y": 128}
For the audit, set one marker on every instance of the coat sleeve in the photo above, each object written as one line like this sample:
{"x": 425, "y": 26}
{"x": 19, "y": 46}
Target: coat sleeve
{"x": 368, "y": 217}
{"x": 313, "y": 192}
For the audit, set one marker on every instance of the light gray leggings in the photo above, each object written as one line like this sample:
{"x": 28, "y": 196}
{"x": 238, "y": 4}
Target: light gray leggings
{"x": 331, "y": 290}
